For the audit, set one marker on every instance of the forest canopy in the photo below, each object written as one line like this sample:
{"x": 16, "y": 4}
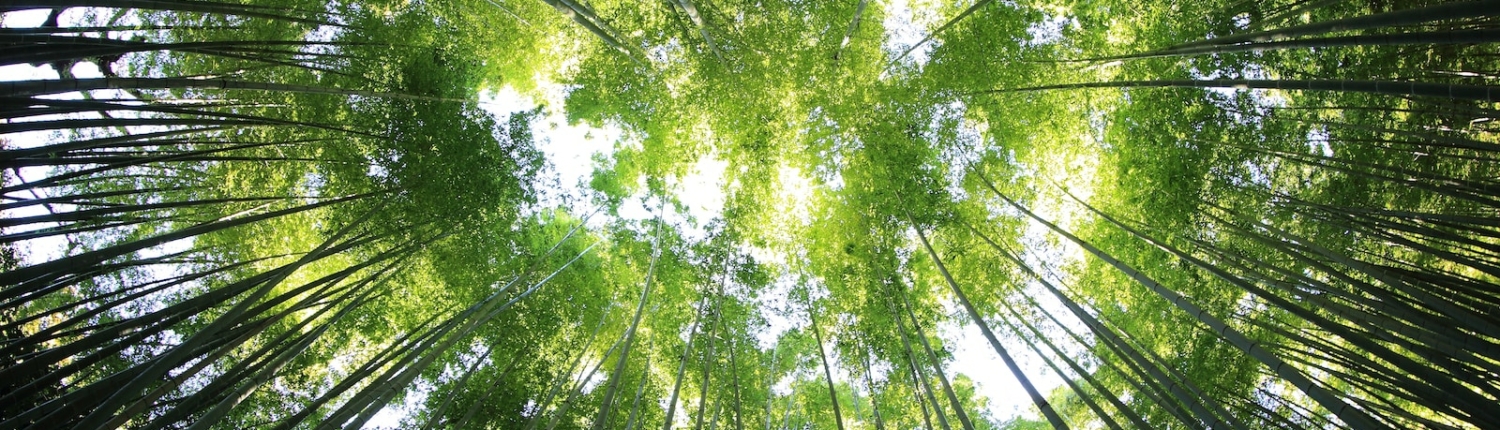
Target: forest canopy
{"x": 777, "y": 214}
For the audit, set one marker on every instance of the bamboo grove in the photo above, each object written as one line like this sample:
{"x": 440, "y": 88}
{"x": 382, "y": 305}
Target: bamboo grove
{"x": 284, "y": 214}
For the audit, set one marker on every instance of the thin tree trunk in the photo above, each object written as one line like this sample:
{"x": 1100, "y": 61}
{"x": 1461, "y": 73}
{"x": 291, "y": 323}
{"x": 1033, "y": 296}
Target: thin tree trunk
{"x": 477, "y": 316}
{"x": 937, "y": 365}
{"x": 770, "y": 382}
{"x": 687, "y": 351}
{"x": 703, "y": 30}
{"x": 945, "y": 27}
{"x": 562, "y": 379}
{"x": 585, "y": 18}
{"x": 635, "y": 406}
{"x": 1335, "y": 404}
{"x": 1135, "y": 419}
{"x": 1480, "y": 93}
{"x": 437, "y": 414}
{"x": 870, "y": 383}
{"x": 577, "y": 389}
{"x": 827, "y": 372}
{"x": 922, "y": 403}
{"x": 1036, "y": 396}
{"x": 149, "y": 374}
{"x": 404, "y": 345}
{"x": 50, "y": 270}
{"x": 32, "y": 89}
{"x": 1449, "y": 37}
{"x": 615, "y": 376}
{"x": 474, "y": 408}
{"x": 734, "y": 370}
{"x": 1439, "y": 12}
{"x": 918, "y": 375}
{"x": 859, "y": 10}
{"x": 1084, "y": 396}
{"x": 1150, "y": 377}
{"x": 708, "y": 360}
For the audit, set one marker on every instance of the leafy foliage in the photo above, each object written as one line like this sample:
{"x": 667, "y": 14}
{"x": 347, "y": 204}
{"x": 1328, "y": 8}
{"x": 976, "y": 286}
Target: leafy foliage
{"x": 289, "y": 214}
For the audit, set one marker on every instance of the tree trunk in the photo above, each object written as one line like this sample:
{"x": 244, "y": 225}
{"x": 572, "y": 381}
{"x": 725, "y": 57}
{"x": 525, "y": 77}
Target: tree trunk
{"x": 615, "y": 376}
{"x": 827, "y": 372}
{"x": 945, "y": 27}
{"x": 635, "y": 406}
{"x": 1036, "y": 397}
{"x": 918, "y": 375}
{"x": 687, "y": 351}
{"x": 1335, "y": 404}
{"x": 937, "y": 365}
{"x": 1480, "y": 93}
